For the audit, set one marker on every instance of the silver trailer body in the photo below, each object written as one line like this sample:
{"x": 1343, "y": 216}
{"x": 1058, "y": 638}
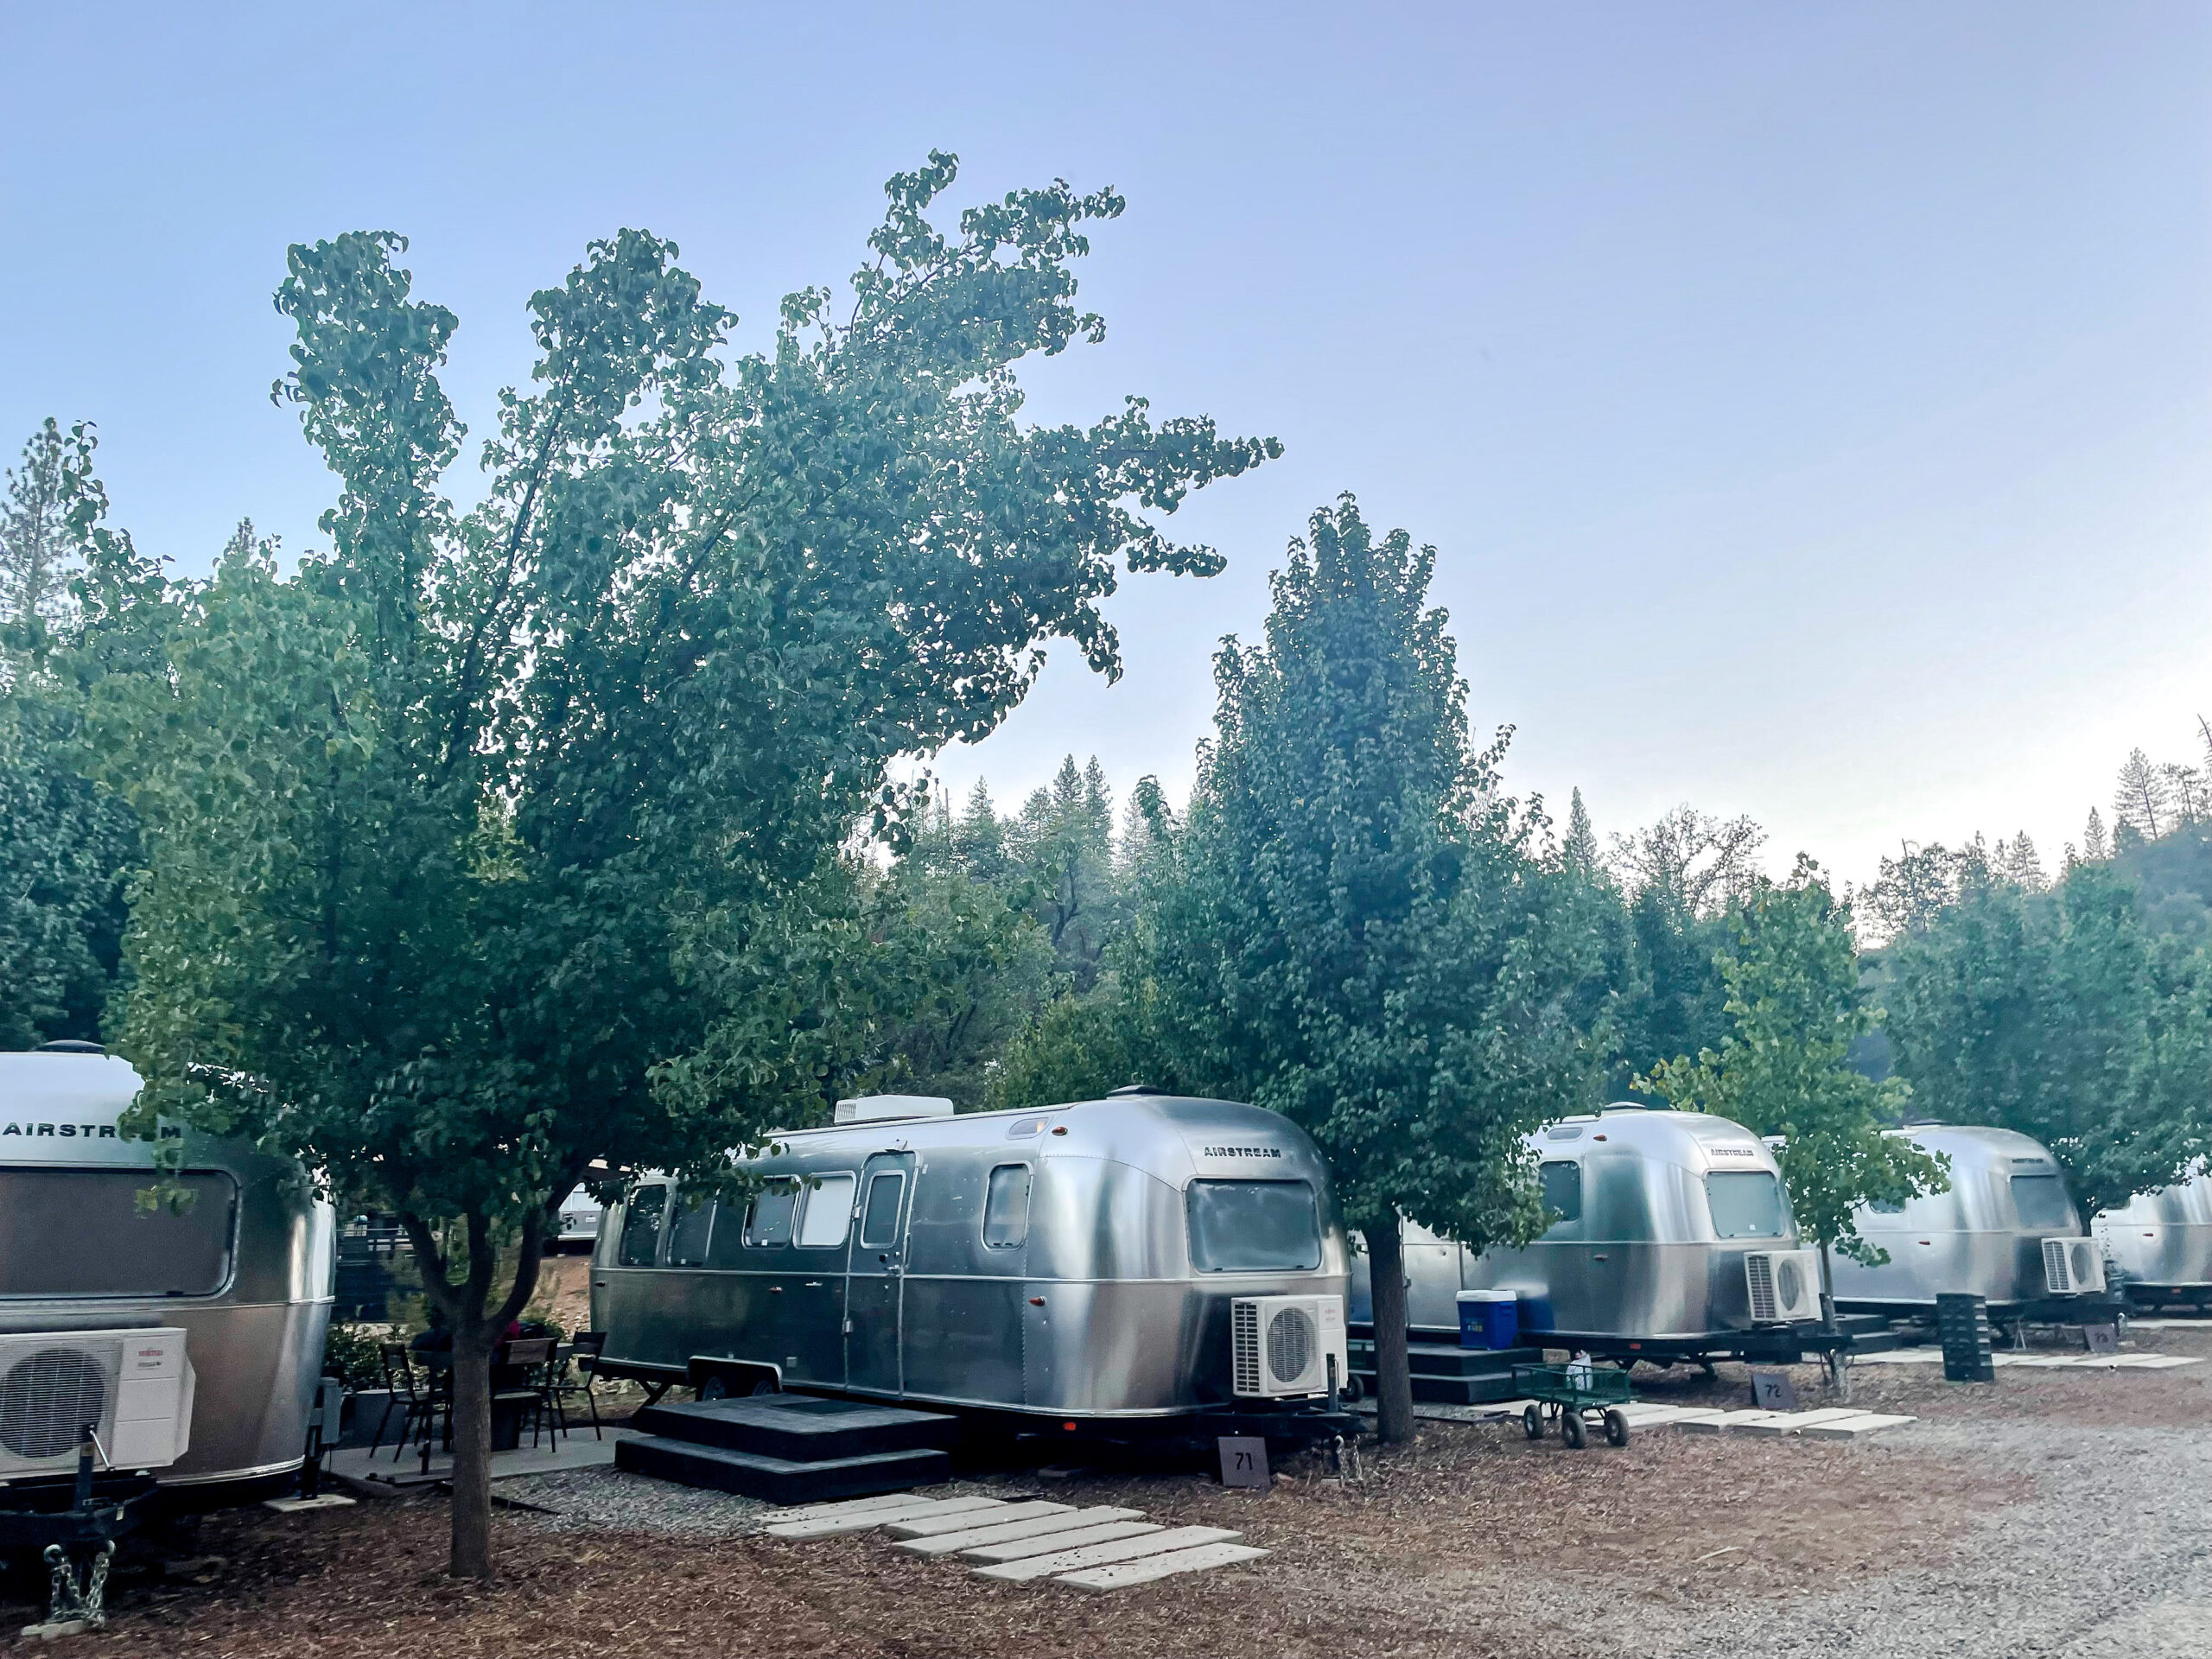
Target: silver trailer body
{"x": 1658, "y": 1211}
{"x": 1078, "y": 1262}
{"x": 2162, "y": 1240}
{"x": 247, "y": 1270}
{"x": 1981, "y": 1238}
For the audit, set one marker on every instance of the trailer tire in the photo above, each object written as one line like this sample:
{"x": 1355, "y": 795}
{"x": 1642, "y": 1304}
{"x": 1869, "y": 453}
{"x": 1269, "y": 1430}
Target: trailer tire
{"x": 715, "y": 1387}
{"x": 1570, "y": 1428}
{"x": 1532, "y": 1422}
{"x": 1616, "y": 1428}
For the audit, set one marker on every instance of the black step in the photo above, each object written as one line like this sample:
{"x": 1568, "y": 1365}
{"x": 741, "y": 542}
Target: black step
{"x": 1441, "y": 1359}
{"x": 798, "y": 1427}
{"x": 779, "y": 1480}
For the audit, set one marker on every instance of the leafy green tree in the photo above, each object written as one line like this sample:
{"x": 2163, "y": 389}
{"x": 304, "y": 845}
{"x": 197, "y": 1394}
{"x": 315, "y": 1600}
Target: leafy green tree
{"x": 1078, "y": 1048}
{"x": 490, "y": 845}
{"x": 42, "y": 536}
{"x": 65, "y": 852}
{"x": 66, "y": 848}
{"x": 1352, "y": 926}
{"x": 2059, "y": 1015}
{"x": 1795, "y": 1008}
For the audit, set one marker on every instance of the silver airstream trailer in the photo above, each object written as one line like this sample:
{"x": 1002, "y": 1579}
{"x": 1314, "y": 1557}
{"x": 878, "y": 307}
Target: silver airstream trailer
{"x": 1674, "y": 1241}
{"x": 241, "y": 1281}
{"x": 2006, "y": 1229}
{"x": 2158, "y": 1246}
{"x": 1137, "y": 1263}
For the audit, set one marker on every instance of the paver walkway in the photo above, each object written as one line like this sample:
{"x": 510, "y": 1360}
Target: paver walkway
{"x": 1096, "y": 1548}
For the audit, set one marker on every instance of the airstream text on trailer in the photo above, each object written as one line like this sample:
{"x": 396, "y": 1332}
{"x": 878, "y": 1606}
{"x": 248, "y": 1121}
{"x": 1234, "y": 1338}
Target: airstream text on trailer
{"x": 1136, "y": 1263}
{"x": 234, "y": 1287}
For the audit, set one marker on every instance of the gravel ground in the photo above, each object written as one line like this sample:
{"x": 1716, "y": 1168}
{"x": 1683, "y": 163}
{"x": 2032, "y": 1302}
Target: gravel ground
{"x": 2052, "y": 1513}
{"x": 2112, "y": 1556}
{"x": 606, "y": 1500}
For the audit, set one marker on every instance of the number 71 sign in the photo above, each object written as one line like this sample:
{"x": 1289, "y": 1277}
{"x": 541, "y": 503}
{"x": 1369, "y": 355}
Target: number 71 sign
{"x": 1244, "y": 1461}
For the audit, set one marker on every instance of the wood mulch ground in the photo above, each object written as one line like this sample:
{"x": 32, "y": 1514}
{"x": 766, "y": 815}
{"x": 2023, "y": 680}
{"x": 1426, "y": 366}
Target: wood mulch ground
{"x": 1472, "y": 1541}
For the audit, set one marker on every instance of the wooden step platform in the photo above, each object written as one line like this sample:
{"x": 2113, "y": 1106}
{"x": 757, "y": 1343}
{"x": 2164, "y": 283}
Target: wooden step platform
{"x": 781, "y": 1480}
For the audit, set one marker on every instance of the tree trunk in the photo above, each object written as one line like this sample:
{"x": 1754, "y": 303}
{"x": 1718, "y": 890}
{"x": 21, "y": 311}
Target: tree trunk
{"x": 476, "y": 1332}
{"x": 472, "y": 1449}
{"x": 1393, "y": 1380}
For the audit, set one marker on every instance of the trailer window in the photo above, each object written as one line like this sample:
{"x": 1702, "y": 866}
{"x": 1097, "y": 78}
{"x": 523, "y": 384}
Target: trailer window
{"x": 690, "y": 1228}
{"x": 768, "y": 1219}
{"x": 1254, "y": 1227}
{"x": 1747, "y": 1204}
{"x": 1006, "y": 1208}
{"x": 641, "y": 1226}
{"x": 828, "y": 1214}
{"x": 2041, "y": 1201}
{"x": 880, "y": 1218}
{"x": 80, "y": 1232}
{"x": 1561, "y": 1179}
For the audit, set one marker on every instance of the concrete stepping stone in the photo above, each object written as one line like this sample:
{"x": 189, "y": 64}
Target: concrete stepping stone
{"x": 867, "y": 1518}
{"x": 1650, "y": 1414}
{"x": 1008, "y": 1532}
{"x": 1146, "y": 1569}
{"x": 855, "y": 1505}
{"x": 1054, "y": 1542}
{"x": 1103, "y": 1555}
{"x": 1794, "y": 1422}
{"x": 1720, "y": 1422}
{"x": 931, "y": 1526}
{"x": 1854, "y": 1428}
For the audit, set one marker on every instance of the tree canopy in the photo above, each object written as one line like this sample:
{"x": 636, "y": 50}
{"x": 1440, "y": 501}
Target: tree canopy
{"x": 474, "y": 842}
{"x": 1795, "y": 1008}
{"x": 2060, "y": 1016}
{"x": 1352, "y": 926}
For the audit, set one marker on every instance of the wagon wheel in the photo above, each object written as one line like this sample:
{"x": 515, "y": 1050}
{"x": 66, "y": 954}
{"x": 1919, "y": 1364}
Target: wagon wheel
{"x": 1532, "y": 1420}
{"x": 1616, "y": 1426}
{"x": 1570, "y": 1428}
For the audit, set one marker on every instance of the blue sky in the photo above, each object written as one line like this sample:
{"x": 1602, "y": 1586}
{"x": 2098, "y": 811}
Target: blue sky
{"x": 1812, "y": 405}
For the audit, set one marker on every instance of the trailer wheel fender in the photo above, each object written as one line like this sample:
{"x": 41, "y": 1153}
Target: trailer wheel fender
{"x": 717, "y": 1378}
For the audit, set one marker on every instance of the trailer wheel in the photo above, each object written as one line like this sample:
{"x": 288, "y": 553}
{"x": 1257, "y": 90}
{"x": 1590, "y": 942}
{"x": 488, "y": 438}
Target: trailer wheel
{"x": 1570, "y": 1428}
{"x": 1532, "y": 1422}
{"x": 1616, "y": 1428}
{"x": 715, "y": 1387}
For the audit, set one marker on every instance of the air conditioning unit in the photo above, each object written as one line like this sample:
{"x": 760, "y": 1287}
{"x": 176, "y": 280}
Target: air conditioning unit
{"x": 889, "y": 1108}
{"x": 2073, "y": 1267}
{"x": 132, "y": 1388}
{"x": 1785, "y": 1286}
{"x": 1280, "y": 1345}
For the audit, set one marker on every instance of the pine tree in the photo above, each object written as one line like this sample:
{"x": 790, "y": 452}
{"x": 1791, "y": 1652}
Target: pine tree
{"x": 1578, "y": 852}
{"x": 2141, "y": 799}
{"x": 2016, "y": 862}
{"x": 2094, "y": 849}
{"x": 979, "y": 838}
{"x": 40, "y": 547}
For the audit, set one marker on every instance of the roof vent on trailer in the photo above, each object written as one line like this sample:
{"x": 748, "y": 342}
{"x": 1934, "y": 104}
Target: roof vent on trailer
{"x": 69, "y": 1045}
{"x": 881, "y": 1109}
{"x": 1134, "y": 1089}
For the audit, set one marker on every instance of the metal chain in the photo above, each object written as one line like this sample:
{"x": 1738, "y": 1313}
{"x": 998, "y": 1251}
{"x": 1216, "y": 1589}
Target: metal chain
{"x": 66, "y": 1601}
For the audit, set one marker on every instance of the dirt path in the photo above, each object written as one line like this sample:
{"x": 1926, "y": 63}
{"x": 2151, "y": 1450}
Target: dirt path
{"x": 2054, "y": 1512}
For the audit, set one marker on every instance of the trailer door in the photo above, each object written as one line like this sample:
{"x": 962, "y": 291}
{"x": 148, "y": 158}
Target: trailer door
{"x": 875, "y": 1280}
